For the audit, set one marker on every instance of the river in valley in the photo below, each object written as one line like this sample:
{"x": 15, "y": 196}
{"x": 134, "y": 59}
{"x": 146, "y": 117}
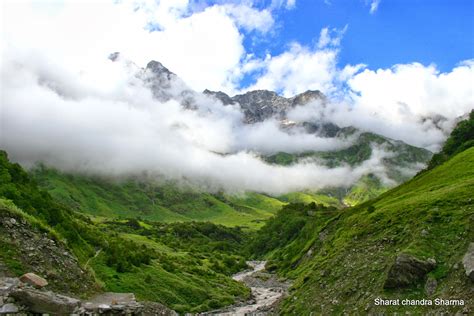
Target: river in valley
{"x": 266, "y": 292}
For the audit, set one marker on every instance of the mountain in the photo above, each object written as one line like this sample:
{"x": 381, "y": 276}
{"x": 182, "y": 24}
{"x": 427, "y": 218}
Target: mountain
{"x": 413, "y": 242}
{"x": 260, "y": 105}
{"x": 402, "y": 161}
{"x": 144, "y": 198}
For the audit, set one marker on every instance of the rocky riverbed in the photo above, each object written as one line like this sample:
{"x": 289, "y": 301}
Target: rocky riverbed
{"x": 267, "y": 291}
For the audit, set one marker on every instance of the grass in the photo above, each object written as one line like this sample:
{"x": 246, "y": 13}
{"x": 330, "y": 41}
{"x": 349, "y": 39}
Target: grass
{"x": 165, "y": 202}
{"x": 191, "y": 266}
{"x": 339, "y": 262}
{"x": 309, "y": 197}
{"x": 188, "y": 288}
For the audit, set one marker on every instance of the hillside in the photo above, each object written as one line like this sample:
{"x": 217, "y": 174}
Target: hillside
{"x": 185, "y": 266}
{"x": 401, "y": 163}
{"x": 168, "y": 202}
{"x": 142, "y": 197}
{"x": 146, "y": 199}
{"x": 408, "y": 243}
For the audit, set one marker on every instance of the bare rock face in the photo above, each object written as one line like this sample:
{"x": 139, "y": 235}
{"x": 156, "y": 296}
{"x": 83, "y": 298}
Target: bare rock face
{"x": 259, "y": 105}
{"x": 408, "y": 270}
{"x": 46, "y": 302}
{"x": 468, "y": 261}
{"x": 33, "y": 280}
{"x": 17, "y": 297}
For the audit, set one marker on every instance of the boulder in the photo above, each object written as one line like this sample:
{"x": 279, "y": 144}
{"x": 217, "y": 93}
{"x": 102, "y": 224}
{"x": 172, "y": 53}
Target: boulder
{"x": 408, "y": 270}
{"x": 33, "y": 280}
{"x": 38, "y": 301}
{"x": 468, "y": 261}
{"x": 9, "y": 309}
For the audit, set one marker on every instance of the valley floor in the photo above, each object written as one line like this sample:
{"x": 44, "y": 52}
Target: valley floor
{"x": 266, "y": 289}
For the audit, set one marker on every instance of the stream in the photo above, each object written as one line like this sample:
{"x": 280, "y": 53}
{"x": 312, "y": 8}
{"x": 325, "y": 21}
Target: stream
{"x": 266, "y": 291}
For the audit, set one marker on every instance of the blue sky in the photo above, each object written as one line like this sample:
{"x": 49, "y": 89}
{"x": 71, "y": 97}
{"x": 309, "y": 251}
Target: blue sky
{"x": 399, "y": 31}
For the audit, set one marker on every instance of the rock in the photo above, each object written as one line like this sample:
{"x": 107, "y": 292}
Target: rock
{"x": 259, "y": 105}
{"x": 430, "y": 286}
{"x": 34, "y": 280}
{"x": 468, "y": 261}
{"x": 424, "y": 233}
{"x": 408, "y": 270}
{"x": 7, "y": 284}
{"x": 9, "y": 309}
{"x": 151, "y": 308}
{"x": 118, "y": 307}
{"x": 38, "y": 301}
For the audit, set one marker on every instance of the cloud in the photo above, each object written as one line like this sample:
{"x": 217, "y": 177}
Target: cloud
{"x": 249, "y": 18}
{"x": 302, "y": 68}
{"x": 65, "y": 103}
{"x": 374, "y": 5}
{"x": 290, "y": 4}
{"x": 410, "y": 102}
{"x": 287, "y": 4}
{"x": 178, "y": 34}
{"x": 119, "y": 129}
{"x": 326, "y": 40}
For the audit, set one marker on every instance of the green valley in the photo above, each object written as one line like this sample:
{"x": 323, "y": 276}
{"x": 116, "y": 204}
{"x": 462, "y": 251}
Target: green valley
{"x": 342, "y": 261}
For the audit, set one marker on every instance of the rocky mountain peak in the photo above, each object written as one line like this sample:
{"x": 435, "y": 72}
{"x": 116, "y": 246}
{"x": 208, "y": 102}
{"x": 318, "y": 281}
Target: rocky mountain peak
{"x": 158, "y": 69}
{"x": 257, "y": 105}
{"x": 308, "y": 96}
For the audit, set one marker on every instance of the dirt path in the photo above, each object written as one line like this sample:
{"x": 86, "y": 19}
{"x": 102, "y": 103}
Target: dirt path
{"x": 95, "y": 255}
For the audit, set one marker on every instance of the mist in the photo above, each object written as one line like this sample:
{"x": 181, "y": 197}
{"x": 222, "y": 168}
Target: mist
{"x": 65, "y": 104}
{"x": 77, "y": 124}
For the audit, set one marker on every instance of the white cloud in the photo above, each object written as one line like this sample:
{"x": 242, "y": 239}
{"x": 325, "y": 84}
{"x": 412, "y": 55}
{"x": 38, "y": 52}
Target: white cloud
{"x": 203, "y": 47}
{"x": 374, "y": 5}
{"x": 290, "y": 4}
{"x": 410, "y": 102}
{"x": 249, "y": 18}
{"x": 298, "y": 70}
{"x": 302, "y": 68}
{"x": 404, "y": 97}
{"x": 118, "y": 128}
{"x": 331, "y": 38}
{"x": 287, "y": 4}
{"x": 63, "y": 102}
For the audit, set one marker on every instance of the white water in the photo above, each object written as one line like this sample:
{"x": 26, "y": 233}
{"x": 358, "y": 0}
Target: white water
{"x": 255, "y": 265}
{"x": 264, "y": 296}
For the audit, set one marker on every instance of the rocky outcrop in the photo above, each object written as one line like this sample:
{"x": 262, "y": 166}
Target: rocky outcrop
{"x": 408, "y": 270}
{"x": 468, "y": 262}
{"x": 19, "y": 297}
{"x": 259, "y": 105}
{"x": 45, "y": 302}
{"x": 35, "y": 250}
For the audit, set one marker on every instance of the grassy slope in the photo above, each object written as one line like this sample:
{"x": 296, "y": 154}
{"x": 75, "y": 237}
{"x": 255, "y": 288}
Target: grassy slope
{"x": 190, "y": 270}
{"x": 167, "y": 203}
{"x": 186, "y": 266}
{"x": 404, "y": 156}
{"x": 341, "y": 262}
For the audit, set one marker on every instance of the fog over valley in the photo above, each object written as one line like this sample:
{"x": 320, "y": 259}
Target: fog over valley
{"x": 115, "y": 116}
